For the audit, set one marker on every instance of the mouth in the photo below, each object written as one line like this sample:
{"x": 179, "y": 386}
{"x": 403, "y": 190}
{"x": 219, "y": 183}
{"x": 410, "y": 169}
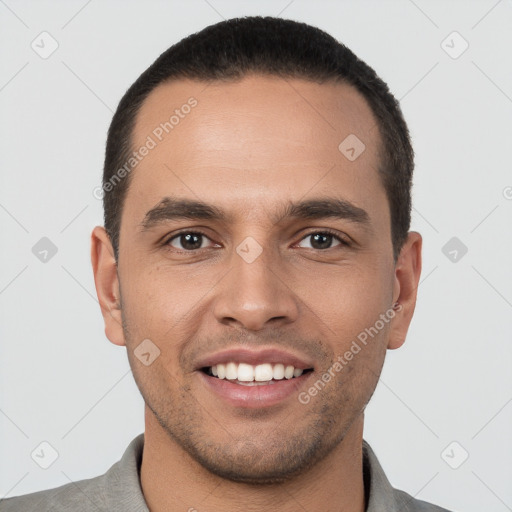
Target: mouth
{"x": 254, "y": 379}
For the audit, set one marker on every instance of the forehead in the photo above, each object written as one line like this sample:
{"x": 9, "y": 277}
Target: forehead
{"x": 255, "y": 140}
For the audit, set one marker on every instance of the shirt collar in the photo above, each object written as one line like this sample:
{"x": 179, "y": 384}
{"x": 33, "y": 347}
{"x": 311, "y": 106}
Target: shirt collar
{"x": 380, "y": 495}
{"x": 123, "y": 490}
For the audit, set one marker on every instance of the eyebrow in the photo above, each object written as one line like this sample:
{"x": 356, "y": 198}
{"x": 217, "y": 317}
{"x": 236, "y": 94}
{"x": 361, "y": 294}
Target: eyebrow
{"x": 172, "y": 208}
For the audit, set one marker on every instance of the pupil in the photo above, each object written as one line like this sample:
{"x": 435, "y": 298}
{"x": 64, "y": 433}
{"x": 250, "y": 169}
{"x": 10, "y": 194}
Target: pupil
{"x": 322, "y": 241}
{"x": 191, "y": 241}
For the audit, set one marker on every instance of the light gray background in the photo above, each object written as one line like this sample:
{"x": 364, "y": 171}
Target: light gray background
{"x": 63, "y": 382}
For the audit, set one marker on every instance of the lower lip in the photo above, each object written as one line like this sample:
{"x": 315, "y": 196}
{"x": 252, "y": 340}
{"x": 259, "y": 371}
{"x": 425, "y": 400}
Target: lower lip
{"x": 257, "y": 396}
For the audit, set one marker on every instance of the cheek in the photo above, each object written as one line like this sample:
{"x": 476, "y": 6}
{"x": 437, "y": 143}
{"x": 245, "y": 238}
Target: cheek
{"x": 158, "y": 305}
{"x": 156, "y": 295}
{"x": 347, "y": 298}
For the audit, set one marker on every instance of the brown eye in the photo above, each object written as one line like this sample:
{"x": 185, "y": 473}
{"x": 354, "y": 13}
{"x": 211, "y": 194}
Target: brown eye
{"x": 188, "y": 241}
{"x": 322, "y": 240}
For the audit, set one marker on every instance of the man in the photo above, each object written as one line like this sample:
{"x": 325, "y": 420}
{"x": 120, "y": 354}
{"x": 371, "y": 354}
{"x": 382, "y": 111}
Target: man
{"x": 257, "y": 263}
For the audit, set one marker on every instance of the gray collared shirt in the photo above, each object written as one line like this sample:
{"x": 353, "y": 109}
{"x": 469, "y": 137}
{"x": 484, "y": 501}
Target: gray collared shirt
{"x": 119, "y": 490}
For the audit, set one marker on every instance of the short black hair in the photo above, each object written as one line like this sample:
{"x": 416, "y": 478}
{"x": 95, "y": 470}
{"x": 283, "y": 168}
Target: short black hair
{"x": 230, "y": 50}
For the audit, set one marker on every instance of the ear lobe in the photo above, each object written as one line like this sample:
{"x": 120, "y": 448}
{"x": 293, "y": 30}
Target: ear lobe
{"x": 407, "y": 276}
{"x": 107, "y": 284}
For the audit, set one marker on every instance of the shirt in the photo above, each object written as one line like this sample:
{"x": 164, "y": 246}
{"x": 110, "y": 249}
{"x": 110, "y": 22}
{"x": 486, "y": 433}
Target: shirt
{"x": 119, "y": 490}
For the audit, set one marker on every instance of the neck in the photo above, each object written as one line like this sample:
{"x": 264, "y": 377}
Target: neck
{"x": 172, "y": 480}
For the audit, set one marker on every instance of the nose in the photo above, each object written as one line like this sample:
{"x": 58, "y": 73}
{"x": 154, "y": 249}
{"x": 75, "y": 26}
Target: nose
{"x": 256, "y": 294}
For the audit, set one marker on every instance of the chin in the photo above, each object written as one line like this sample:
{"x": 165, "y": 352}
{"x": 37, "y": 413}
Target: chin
{"x": 276, "y": 463}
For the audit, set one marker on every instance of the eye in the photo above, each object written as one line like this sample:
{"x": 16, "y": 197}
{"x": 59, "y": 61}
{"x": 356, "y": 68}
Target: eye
{"x": 322, "y": 240}
{"x": 188, "y": 241}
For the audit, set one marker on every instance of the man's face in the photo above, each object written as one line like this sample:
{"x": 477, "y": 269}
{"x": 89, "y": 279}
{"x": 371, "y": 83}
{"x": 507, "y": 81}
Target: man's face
{"x": 292, "y": 293}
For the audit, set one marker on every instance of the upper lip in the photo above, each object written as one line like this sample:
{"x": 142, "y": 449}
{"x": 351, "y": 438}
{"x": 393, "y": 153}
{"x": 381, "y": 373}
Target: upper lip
{"x": 255, "y": 357}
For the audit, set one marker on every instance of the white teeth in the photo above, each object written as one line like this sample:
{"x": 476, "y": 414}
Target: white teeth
{"x": 263, "y": 372}
{"x": 266, "y": 383}
{"x": 247, "y": 373}
{"x": 278, "y": 371}
{"x": 221, "y": 371}
{"x": 288, "y": 372}
{"x": 231, "y": 371}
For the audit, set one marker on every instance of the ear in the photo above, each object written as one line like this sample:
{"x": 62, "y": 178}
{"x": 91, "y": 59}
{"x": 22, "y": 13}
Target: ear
{"x": 107, "y": 284}
{"x": 407, "y": 276}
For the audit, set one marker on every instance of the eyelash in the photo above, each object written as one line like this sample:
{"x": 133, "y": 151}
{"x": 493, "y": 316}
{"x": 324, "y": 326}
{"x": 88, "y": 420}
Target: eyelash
{"x": 324, "y": 231}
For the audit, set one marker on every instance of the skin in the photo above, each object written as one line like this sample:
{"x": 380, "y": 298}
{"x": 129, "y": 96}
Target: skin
{"x": 248, "y": 147}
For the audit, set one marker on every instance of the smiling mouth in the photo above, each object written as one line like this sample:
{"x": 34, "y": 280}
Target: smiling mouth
{"x": 254, "y": 375}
